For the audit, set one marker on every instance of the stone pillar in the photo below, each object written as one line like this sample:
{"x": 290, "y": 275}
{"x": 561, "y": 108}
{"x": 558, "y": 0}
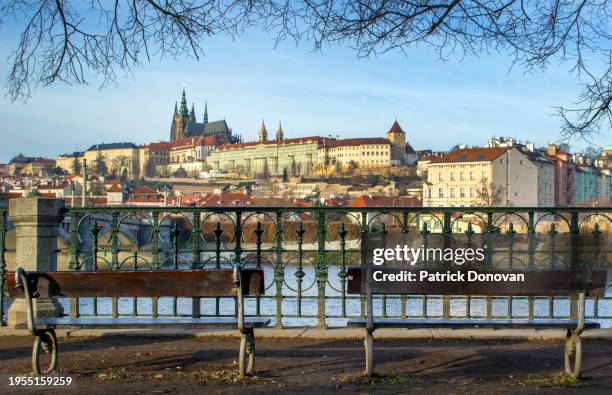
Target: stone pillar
{"x": 36, "y": 223}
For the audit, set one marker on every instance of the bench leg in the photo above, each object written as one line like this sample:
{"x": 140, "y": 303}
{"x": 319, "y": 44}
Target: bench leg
{"x": 246, "y": 359}
{"x": 251, "y": 352}
{"x": 369, "y": 354}
{"x": 573, "y": 345}
{"x": 48, "y": 342}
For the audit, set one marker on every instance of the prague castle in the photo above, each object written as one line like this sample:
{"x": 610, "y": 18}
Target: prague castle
{"x": 185, "y": 124}
{"x": 303, "y": 155}
{"x": 199, "y": 146}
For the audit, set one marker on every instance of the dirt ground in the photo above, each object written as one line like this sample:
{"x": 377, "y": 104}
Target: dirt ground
{"x": 134, "y": 365}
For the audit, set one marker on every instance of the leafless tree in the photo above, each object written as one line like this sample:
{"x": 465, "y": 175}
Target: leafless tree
{"x": 70, "y": 41}
{"x": 94, "y": 193}
{"x": 76, "y": 165}
{"x": 489, "y": 194}
{"x": 120, "y": 165}
{"x": 149, "y": 169}
{"x": 265, "y": 172}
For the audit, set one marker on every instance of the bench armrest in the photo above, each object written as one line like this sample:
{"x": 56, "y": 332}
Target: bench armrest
{"x": 21, "y": 282}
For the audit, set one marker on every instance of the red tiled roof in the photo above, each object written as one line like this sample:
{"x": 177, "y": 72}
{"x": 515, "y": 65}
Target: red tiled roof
{"x": 471, "y": 155}
{"x": 385, "y": 201}
{"x": 50, "y": 187}
{"x": 98, "y": 201}
{"x": 430, "y": 157}
{"x": 143, "y": 189}
{"x": 396, "y": 128}
{"x": 161, "y": 145}
{"x": 286, "y": 141}
{"x": 226, "y": 199}
{"x": 355, "y": 141}
{"x": 334, "y": 202}
{"x": 145, "y": 200}
{"x": 114, "y": 188}
{"x": 10, "y": 195}
{"x": 195, "y": 140}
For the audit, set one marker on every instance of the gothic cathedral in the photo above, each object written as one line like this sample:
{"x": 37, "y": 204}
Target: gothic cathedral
{"x": 184, "y": 124}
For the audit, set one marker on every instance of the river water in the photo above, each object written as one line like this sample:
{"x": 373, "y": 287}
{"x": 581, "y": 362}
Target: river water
{"x": 414, "y": 304}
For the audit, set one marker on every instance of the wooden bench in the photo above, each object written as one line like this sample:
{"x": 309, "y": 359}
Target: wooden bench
{"x": 235, "y": 282}
{"x": 574, "y": 328}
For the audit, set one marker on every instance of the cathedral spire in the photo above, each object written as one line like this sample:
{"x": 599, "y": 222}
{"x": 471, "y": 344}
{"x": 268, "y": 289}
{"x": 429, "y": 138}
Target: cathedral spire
{"x": 263, "y": 133}
{"x": 279, "y": 132}
{"x": 205, "y": 112}
{"x": 192, "y": 117}
{"x": 175, "y": 108}
{"x": 183, "y": 109}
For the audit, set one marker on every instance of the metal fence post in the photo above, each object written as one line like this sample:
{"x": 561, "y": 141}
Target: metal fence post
{"x": 279, "y": 273}
{"x": 195, "y": 260}
{"x": 446, "y": 237}
{"x": 531, "y": 247}
{"x": 575, "y": 256}
{"x": 363, "y": 257}
{"x": 321, "y": 269}
{"x": 489, "y": 256}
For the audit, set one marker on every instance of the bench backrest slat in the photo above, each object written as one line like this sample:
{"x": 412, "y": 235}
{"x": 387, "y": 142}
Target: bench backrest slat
{"x": 541, "y": 283}
{"x": 159, "y": 283}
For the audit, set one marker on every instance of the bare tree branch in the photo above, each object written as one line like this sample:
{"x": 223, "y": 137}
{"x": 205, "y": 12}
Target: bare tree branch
{"x": 70, "y": 41}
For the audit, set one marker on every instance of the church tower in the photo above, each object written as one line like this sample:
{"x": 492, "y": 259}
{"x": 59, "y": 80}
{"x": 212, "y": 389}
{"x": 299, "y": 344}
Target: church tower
{"x": 279, "y": 132}
{"x": 263, "y": 133}
{"x": 397, "y": 137}
{"x": 180, "y": 119}
{"x": 205, "y": 112}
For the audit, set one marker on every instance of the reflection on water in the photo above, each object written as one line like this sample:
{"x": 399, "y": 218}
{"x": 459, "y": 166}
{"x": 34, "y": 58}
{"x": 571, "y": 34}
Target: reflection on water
{"x": 267, "y": 306}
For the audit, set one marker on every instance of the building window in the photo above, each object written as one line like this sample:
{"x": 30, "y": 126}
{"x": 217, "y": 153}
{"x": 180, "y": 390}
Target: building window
{"x": 452, "y": 176}
{"x": 461, "y": 192}
{"x": 452, "y": 192}
{"x": 441, "y": 192}
{"x": 472, "y": 176}
{"x": 440, "y": 176}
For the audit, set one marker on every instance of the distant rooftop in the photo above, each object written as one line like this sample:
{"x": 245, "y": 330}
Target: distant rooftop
{"x": 107, "y": 146}
{"x": 471, "y": 155}
{"x": 75, "y": 154}
{"x": 355, "y": 141}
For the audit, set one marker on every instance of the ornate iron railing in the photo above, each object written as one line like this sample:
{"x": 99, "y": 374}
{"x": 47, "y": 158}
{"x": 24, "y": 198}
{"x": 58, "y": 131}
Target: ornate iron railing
{"x": 305, "y": 253}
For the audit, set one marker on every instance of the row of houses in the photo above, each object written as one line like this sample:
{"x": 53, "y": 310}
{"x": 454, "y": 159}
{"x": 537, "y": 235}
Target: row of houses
{"x": 508, "y": 173}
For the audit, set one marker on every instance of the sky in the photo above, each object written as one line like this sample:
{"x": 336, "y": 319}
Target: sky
{"x": 333, "y": 92}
